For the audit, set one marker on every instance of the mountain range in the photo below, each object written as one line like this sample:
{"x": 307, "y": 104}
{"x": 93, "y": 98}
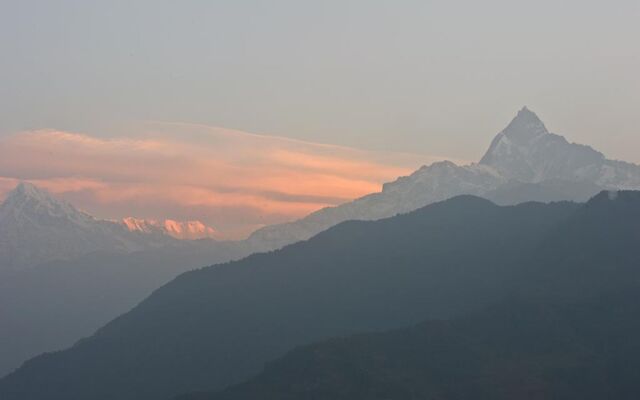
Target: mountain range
{"x": 566, "y": 328}
{"x": 37, "y": 228}
{"x": 64, "y": 273}
{"x": 525, "y": 162}
{"x": 217, "y": 326}
{"x": 184, "y": 230}
{"x": 83, "y": 272}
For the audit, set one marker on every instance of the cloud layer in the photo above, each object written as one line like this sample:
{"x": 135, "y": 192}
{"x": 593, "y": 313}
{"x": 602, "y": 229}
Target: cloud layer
{"x": 232, "y": 180}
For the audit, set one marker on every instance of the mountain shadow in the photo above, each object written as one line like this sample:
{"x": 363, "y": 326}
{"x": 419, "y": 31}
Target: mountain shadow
{"x": 217, "y": 326}
{"x": 517, "y": 349}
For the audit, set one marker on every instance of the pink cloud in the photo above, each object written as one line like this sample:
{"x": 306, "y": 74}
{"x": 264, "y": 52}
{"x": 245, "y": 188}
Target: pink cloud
{"x": 232, "y": 180}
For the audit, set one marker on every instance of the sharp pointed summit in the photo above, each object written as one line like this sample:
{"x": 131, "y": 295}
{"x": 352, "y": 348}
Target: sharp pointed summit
{"x": 25, "y": 190}
{"x": 29, "y": 189}
{"x": 30, "y": 200}
{"x": 524, "y": 162}
{"x": 526, "y": 151}
{"x": 523, "y": 130}
{"x": 525, "y": 126}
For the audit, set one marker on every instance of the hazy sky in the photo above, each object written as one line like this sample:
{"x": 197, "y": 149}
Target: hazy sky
{"x": 233, "y": 181}
{"x": 396, "y": 78}
{"x": 435, "y": 77}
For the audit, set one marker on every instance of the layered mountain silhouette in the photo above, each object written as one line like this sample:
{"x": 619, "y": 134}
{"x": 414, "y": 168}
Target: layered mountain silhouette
{"x": 105, "y": 271}
{"x": 64, "y": 273}
{"x": 567, "y": 329}
{"x": 217, "y": 326}
{"x": 525, "y": 162}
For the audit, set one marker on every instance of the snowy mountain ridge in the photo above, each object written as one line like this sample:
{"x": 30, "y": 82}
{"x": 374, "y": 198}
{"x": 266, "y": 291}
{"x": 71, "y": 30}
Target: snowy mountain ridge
{"x": 527, "y": 152}
{"x": 183, "y": 230}
{"x": 35, "y": 228}
{"x": 524, "y": 162}
{"x": 523, "y": 158}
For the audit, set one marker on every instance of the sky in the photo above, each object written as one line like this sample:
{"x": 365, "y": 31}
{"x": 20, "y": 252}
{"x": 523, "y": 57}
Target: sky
{"x": 399, "y": 83}
{"x": 233, "y": 181}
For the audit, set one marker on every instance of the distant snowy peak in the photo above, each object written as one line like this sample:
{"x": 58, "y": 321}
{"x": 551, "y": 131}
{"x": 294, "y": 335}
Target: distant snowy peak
{"x": 28, "y": 191}
{"x": 35, "y": 228}
{"x": 183, "y": 230}
{"x": 29, "y": 204}
{"x": 526, "y": 126}
{"x": 524, "y": 162}
{"x": 526, "y": 152}
{"x": 27, "y": 195}
{"x": 516, "y": 139}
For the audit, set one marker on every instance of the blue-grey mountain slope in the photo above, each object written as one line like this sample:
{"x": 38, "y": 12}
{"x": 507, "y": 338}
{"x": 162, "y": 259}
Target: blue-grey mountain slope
{"x": 569, "y": 330}
{"x": 217, "y": 326}
{"x": 64, "y": 273}
{"x": 524, "y": 163}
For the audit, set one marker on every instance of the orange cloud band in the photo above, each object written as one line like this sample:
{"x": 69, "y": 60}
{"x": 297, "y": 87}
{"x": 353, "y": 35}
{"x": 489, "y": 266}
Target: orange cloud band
{"x": 234, "y": 181}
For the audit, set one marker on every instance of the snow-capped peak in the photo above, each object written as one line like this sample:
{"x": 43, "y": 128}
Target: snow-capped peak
{"x": 30, "y": 190}
{"x": 26, "y": 190}
{"x": 28, "y": 199}
{"x": 526, "y": 126}
{"x": 515, "y": 143}
{"x": 35, "y": 227}
{"x": 185, "y": 230}
{"x": 525, "y": 151}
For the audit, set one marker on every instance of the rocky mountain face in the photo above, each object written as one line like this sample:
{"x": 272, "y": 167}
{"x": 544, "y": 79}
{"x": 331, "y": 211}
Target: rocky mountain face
{"x": 35, "y": 228}
{"x": 525, "y": 162}
{"x": 525, "y": 151}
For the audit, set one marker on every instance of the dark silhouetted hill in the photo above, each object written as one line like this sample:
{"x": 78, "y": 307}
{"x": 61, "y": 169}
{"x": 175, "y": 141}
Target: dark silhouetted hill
{"x": 217, "y": 326}
{"x": 514, "y": 350}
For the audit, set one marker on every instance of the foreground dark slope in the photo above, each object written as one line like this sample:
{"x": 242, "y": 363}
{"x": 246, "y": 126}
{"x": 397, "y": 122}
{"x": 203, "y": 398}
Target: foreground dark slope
{"x": 514, "y": 350}
{"x": 217, "y": 326}
{"x": 570, "y": 331}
